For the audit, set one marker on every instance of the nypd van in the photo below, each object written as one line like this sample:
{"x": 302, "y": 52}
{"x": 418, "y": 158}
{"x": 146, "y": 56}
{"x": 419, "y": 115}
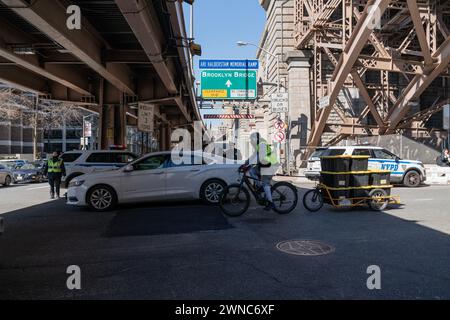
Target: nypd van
{"x": 409, "y": 173}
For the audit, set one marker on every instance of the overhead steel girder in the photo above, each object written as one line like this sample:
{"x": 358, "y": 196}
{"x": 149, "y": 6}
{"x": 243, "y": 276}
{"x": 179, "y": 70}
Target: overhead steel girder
{"x": 177, "y": 18}
{"x": 49, "y": 16}
{"x": 66, "y": 76}
{"x": 349, "y": 56}
{"x": 24, "y": 80}
{"x": 420, "y": 32}
{"x": 144, "y": 27}
{"x": 389, "y": 64}
{"x": 47, "y": 72}
{"x": 359, "y": 83}
{"x": 418, "y": 85}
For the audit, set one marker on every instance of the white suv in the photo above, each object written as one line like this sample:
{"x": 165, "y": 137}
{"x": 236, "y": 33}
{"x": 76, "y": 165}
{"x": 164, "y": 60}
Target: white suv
{"x": 81, "y": 162}
{"x": 410, "y": 173}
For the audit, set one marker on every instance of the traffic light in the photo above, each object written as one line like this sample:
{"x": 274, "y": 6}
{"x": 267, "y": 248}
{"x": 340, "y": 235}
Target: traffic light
{"x": 196, "y": 49}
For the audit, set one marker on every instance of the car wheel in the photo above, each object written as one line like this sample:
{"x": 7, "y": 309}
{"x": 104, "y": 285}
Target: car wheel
{"x": 7, "y": 181}
{"x": 101, "y": 198}
{"x": 412, "y": 179}
{"x": 211, "y": 191}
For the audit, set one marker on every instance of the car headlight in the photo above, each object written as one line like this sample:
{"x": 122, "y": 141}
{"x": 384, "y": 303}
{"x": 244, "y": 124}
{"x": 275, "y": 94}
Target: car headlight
{"x": 76, "y": 183}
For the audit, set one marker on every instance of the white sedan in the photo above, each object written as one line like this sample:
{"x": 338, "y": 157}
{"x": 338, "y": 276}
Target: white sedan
{"x": 155, "y": 177}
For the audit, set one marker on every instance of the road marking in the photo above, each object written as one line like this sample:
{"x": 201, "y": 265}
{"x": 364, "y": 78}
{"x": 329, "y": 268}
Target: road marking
{"x": 35, "y": 188}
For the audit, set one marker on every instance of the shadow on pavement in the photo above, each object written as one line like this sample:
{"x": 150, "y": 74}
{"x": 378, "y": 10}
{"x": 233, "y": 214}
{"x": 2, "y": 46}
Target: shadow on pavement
{"x": 41, "y": 241}
{"x": 163, "y": 218}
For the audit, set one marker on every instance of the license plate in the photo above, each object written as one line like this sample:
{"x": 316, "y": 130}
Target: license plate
{"x": 19, "y": 178}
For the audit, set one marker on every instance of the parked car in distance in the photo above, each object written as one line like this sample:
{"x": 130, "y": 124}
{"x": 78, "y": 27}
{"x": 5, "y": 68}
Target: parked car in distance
{"x": 29, "y": 172}
{"x": 410, "y": 173}
{"x": 6, "y": 176}
{"x": 11, "y": 163}
{"x": 81, "y": 162}
{"x": 155, "y": 177}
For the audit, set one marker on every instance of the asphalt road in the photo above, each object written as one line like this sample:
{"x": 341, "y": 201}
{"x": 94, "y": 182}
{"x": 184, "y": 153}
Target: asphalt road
{"x": 190, "y": 251}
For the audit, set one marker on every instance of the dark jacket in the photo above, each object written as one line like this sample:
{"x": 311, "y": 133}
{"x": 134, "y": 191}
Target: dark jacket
{"x": 55, "y": 174}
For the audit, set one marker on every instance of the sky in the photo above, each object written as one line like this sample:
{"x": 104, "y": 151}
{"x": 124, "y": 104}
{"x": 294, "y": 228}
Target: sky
{"x": 219, "y": 24}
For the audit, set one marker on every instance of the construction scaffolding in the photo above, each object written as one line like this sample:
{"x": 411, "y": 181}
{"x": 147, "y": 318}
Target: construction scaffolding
{"x": 374, "y": 64}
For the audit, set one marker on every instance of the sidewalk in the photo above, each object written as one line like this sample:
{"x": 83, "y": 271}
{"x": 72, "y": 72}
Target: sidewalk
{"x": 437, "y": 174}
{"x": 298, "y": 179}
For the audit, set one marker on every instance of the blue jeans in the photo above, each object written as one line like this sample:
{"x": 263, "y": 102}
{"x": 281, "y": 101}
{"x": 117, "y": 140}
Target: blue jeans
{"x": 265, "y": 181}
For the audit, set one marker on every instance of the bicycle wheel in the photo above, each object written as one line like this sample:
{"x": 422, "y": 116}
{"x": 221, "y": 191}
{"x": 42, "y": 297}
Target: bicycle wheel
{"x": 313, "y": 200}
{"x": 235, "y": 200}
{"x": 378, "y": 201}
{"x": 284, "y": 197}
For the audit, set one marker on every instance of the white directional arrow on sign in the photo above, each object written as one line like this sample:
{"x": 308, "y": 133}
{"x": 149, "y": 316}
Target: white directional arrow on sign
{"x": 228, "y": 84}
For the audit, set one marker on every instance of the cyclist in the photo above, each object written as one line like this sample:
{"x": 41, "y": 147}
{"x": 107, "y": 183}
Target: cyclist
{"x": 264, "y": 162}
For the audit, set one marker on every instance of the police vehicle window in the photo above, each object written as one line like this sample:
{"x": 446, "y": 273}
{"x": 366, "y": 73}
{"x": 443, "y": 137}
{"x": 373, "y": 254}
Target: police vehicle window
{"x": 100, "y": 158}
{"x": 150, "y": 163}
{"x": 361, "y": 152}
{"x": 2, "y": 167}
{"x": 122, "y": 157}
{"x": 383, "y": 154}
{"x": 318, "y": 153}
{"x": 334, "y": 152}
{"x": 70, "y": 157}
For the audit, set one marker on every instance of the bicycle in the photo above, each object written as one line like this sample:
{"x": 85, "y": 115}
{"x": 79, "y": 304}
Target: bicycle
{"x": 235, "y": 200}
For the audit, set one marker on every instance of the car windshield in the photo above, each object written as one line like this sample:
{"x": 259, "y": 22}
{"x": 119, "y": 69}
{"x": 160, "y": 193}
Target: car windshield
{"x": 9, "y": 165}
{"x": 318, "y": 153}
{"x": 28, "y": 166}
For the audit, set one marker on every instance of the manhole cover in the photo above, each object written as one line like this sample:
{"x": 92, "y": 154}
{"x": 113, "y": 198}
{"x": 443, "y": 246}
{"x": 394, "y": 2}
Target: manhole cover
{"x": 305, "y": 247}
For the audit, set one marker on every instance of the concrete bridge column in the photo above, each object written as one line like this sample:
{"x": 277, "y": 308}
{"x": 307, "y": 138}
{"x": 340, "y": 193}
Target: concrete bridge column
{"x": 107, "y": 135}
{"x": 299, "y": 89}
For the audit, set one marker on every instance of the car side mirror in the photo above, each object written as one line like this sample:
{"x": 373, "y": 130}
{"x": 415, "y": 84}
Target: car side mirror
{"x": 128, "y": 168}
{"x": 397, "y": 159}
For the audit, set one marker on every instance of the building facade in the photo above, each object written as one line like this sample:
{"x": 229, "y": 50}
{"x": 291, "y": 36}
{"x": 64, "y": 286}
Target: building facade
{"x": 17, "y": 139}
{"x": 293, "y": 76}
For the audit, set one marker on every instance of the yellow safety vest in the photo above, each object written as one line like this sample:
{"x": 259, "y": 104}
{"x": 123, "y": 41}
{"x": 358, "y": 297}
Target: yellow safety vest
{"x": 54, "y": 167}
{"x": 270, "y": 157}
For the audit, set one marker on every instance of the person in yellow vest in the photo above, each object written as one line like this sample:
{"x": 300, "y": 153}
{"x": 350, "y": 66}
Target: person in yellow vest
{"x": 54, "y": 169}
{"x": 264, "y": 163}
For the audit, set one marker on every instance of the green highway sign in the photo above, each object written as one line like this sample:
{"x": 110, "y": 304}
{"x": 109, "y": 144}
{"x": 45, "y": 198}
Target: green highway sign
{"x": 229, "y": 84}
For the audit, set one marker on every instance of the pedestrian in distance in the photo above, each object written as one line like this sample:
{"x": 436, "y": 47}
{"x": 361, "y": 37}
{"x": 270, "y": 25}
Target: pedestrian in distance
{"x": 445, "y": 158}
{"x": 54, "y": 169}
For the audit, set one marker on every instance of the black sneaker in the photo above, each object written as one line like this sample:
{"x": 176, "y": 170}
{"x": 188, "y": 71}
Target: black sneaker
{"x": 269, "y": 206}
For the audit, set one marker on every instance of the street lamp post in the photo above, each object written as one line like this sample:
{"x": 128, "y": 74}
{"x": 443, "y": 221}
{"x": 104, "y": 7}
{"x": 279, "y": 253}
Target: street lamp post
{"x": 277, "y": 57}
